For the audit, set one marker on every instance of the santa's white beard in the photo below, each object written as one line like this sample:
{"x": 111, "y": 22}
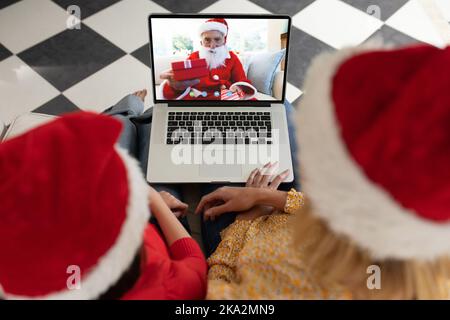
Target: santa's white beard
{"x": 214, "y": 57}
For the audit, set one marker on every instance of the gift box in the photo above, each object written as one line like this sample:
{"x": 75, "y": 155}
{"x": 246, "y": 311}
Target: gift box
{"x": 226, "y": 94}
{"x": 187, "y": 64}
{"x": 189, "y": 69}
{"x": 249, "y": 91}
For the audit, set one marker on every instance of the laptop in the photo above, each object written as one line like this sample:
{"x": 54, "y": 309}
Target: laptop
{"x": 219, "y": 82}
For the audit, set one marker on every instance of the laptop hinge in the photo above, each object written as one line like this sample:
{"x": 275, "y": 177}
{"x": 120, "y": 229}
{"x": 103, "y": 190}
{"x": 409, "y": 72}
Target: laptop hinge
{"x": 212, "y": 105}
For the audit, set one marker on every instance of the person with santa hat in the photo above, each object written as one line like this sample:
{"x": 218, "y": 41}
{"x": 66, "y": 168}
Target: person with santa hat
{"x": 373, "y": 218}
{"x": 74, "y": 215}
{"x": 225, "y": 68}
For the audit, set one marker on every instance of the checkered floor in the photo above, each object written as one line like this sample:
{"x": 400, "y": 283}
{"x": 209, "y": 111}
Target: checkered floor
{"x": 48, "y": 68}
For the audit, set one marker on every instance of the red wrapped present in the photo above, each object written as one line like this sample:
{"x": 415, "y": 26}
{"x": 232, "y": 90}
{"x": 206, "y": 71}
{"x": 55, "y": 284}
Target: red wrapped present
{"x": 187, "y": 64}
{"x": 226, "y": 94}
{"x": 189, "y": 69}
{"x": 188, "y": 74}
{"x": 249, "y": 91}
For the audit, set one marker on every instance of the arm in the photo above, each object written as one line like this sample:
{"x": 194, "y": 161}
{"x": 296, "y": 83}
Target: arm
{"x": 176, "y": 272}
{"x": 238, "y": 199}
{"x": 289, "y": 202}
{"x": 187, "y": 271}
{"x": 172, "y": 229}
{"x": 224, "y": 261}
{"x": 172, "y": 90}
{"x": 270, "y": 197}
{"x": 237, "y": 73}
{"x": 260, "y": 190}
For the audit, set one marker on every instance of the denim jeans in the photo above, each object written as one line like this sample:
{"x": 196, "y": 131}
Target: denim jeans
{"x": 135, "y": 137}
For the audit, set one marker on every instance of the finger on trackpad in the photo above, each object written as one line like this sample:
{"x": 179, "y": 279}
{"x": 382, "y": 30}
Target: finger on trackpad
{"x": 220, "y": 171}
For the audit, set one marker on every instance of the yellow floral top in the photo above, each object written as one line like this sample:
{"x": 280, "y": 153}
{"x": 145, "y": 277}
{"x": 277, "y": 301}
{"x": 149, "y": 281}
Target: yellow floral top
{"x": 256, "y": 260}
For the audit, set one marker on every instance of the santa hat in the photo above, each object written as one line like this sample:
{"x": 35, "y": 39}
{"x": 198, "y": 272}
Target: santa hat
{"x": 71, "y": 200}
{"x": 373, "y": 128}
{"x": 215, "y": 24}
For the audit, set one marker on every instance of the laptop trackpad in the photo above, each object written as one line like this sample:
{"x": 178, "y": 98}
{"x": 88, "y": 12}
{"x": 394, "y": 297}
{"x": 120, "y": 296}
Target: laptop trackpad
{"x": 220, "y": 171}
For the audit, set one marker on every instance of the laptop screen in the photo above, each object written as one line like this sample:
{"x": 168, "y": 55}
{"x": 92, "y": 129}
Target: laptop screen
{"x": 219, "y": 58}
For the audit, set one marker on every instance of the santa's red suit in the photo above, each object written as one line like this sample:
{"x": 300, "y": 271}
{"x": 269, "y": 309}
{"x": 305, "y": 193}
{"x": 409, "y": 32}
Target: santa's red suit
{"x": 228, "y": 74}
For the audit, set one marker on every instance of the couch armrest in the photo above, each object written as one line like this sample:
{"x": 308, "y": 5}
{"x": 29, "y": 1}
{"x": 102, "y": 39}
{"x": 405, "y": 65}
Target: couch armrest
{"x": 277, "y": 87}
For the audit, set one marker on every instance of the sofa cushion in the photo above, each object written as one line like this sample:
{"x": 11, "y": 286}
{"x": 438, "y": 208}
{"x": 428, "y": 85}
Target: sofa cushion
{"x": 262, "y": 68}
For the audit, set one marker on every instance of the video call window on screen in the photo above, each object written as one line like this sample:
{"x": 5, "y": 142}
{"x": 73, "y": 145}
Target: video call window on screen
{"x": 218, "y": 58}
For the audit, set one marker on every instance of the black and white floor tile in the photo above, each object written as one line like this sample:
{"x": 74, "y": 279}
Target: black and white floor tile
{"x": 46, "y": 67}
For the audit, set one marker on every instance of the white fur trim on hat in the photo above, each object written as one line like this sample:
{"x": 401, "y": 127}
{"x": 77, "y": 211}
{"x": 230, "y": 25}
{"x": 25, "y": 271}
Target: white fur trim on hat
{"x": 213, "y": 25}
{"x": 118, "y": 259}
{"x": 341, "y": 194}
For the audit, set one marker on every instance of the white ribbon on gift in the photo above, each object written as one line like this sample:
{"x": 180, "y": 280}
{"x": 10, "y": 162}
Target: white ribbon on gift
{"x": 187, "y": 64}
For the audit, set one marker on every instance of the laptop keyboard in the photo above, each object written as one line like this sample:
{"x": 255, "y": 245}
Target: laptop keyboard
{"x": 184, "y": 127}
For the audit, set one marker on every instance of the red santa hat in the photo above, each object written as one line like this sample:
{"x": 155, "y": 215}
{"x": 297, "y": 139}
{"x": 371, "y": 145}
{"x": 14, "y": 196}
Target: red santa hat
{"x": 373, "y": 128}
{"x": 71, "y": 200}
{"x": 215, "y": 24}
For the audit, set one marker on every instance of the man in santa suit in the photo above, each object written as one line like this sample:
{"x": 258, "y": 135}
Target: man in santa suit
{"x": 225, "y": 68}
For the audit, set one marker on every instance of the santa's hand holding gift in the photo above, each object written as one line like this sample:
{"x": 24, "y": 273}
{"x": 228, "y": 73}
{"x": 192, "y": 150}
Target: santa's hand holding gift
{"x": 224, "y": 78}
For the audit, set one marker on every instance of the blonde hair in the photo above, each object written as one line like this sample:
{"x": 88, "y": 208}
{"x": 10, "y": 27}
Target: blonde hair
{"x": 334, "y": 259}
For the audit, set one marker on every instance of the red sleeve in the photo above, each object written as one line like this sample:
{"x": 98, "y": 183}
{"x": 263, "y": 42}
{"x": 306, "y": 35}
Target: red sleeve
{"x": 188, "y": 271}
{"x": 175, "y": 272}
{"x": 237, "y": 73}
{"x": 168, "y": 92}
